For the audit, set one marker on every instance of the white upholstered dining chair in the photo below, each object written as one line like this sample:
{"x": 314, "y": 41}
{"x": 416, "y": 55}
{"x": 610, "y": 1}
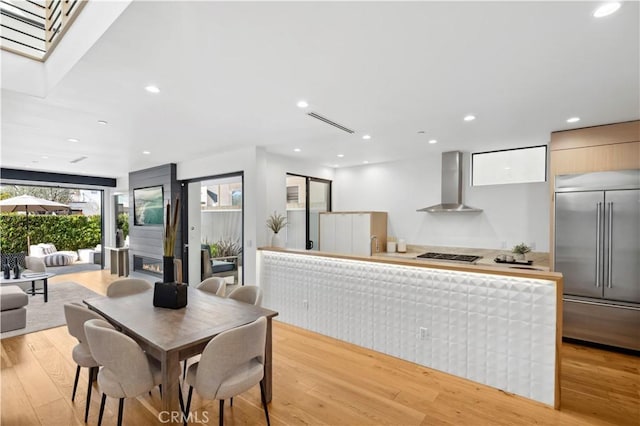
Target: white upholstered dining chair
{"x": 127, "y": 286}
{"x": 231, "y": 363}
{"x": 126, "y": 370}
{"x": 76, "y": 315}
{"x": 214, "y": 285}
{"x": 250, "y": 294}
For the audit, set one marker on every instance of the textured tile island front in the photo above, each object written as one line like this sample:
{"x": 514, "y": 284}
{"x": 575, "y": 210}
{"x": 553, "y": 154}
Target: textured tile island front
{"x": 495, "y": 326}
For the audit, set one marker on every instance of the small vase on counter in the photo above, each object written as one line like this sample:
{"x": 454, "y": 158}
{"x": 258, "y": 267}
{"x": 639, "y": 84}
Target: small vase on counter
{"x": 276, "y": 241}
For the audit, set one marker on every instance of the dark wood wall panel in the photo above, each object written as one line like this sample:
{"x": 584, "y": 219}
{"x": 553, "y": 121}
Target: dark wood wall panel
{"x": 147, "y": 240}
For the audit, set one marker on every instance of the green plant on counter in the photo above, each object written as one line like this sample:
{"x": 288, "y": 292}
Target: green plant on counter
{"x": 276, "y": 222}
{"x": 521, "y": 248}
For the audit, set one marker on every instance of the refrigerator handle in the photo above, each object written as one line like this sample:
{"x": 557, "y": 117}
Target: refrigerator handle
{"x": 598, "y": 217}
{"x": 610, "y": 248}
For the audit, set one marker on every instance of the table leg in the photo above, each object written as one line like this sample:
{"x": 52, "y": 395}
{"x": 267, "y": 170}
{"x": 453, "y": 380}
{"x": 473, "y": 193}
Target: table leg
{"x": 33, "y": 288}
{"x": 170, "y": 383}
{"x": 268, "y": 392}
{"x": 46, "y": 290}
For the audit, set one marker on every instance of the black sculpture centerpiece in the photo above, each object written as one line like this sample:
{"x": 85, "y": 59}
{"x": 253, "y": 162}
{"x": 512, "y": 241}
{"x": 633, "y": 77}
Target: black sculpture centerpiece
{"x": 168, "y": 293}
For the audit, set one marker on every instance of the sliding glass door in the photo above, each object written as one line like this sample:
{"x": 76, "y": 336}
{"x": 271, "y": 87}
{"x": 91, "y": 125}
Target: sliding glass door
{"x": 214, "y": 228}
{"x": 307, "y": 197}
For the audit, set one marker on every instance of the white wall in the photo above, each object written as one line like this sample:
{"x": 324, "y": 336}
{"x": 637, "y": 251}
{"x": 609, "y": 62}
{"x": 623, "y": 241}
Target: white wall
{"x": 242, "y": 160}
{"x": 511, "y": 213}
{"x": 264, "y": 189}
{"x": 277, "y": 168}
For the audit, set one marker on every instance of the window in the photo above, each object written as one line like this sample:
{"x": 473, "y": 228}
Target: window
{"x": 520, "y": 165}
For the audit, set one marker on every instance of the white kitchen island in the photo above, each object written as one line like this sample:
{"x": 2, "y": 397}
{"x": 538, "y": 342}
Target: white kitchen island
{"x": 496, "y": 326}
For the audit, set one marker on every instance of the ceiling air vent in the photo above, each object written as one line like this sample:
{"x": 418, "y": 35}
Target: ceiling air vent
{"x": 333, "y": 123}
{"x": 79, "y": 159}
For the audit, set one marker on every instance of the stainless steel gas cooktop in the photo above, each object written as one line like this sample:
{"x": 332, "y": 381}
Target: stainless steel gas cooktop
{"x": 449, "y": 257}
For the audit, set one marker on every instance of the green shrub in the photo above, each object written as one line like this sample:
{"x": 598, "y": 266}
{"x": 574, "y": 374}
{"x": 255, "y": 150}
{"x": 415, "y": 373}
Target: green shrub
{"x": 66, "y": 232}
{"x": 123, "y": 223}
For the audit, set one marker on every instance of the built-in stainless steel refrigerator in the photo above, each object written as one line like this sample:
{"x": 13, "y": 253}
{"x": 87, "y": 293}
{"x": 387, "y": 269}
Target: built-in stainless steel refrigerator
{"x": 597, "y": 249}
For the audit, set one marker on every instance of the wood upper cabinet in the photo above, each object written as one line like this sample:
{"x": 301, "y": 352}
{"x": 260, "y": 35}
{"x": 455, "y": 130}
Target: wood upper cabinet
{"x": 352, "y": 232}
{"x": 592, "y": 149}
{"x": 595, "y": 149}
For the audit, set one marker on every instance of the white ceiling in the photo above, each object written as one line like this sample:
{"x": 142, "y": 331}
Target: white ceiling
{"x": 230, "y": 75}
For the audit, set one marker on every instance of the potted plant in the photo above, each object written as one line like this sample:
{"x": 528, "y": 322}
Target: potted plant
{"x": 168, "y": 293}
{"x": 521, "y": 250}
{"x": 276, "y": 222}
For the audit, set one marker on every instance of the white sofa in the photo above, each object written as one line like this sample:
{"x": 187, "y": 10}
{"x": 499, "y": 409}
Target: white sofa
{"x": 51, "y": 255}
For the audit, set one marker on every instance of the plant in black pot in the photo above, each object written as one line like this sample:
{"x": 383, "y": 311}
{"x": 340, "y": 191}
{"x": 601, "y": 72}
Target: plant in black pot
{"x": 168, "y": 293}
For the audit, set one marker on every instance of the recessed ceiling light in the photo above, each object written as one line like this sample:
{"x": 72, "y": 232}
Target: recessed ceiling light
{"x": 146, "y": 152}
{"x": 297, "y": 150}
{"x": 606, "y": 9}
{"x": 365, "y": 162}
{"x": 102, "y": 122}
{"x": 44, "y": 157}
{"x": 573, "y": 120}
{"x": 336, "y": 165}
{"x": 432, "y": 141}
{"x": 366, "y": 137}
{"x": 302, "y": 104}
{"x": 469, "y": 117}
{"x": 152, "y": 89}
{"x": 73, "y": 140}
{"x": 340, "y": 155}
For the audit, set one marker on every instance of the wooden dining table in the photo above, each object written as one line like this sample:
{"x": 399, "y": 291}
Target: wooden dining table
{"x": 172, "y": 335}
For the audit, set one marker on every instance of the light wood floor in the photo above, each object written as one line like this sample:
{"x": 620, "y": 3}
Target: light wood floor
{"x": 323, "y": 381}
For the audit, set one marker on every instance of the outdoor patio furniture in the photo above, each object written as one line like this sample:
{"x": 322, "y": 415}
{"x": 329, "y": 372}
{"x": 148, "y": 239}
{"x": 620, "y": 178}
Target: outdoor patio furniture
{"x": 51, "y": 255}
{"x": 12, "y": 304}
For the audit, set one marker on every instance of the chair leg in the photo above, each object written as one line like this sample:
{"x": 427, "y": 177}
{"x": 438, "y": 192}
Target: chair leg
{"x": 221, "y": 421}
{"x": 102, "y": 401}
{"x": 264, "y": 402}
{"x": 75, "y": 383}
{"x": 231, "y": 402}
{"x": 188, "y": 401}
{"x": 120, "y": 410}
{"x": 89, "y": 387}
{"x": 184, "y": 370}
{"x": 184, "y": 415}
{"x": 160, "y": 387}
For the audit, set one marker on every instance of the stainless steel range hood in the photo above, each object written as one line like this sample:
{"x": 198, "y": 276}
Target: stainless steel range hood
{"x": 451, "y": 196}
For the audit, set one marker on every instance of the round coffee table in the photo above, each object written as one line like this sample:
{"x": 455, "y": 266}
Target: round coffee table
{"x": 32, "y": 277}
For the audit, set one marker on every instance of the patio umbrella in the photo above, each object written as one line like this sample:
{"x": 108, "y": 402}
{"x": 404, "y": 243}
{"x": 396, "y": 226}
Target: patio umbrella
{"x": 28, "y": 203}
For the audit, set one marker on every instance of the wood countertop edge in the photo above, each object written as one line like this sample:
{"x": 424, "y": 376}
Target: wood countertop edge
{"x": 481, "y": 269}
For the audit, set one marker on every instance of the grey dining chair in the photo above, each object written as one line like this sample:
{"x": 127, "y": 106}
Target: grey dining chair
{"x": 231, "y": 363}
{"x": 214, "y": 285}
{"x": 127, "y": 286}
{"x": 250, "y": 294}
{"x": 126, "y": 370}
{"x": 76, "y": 315}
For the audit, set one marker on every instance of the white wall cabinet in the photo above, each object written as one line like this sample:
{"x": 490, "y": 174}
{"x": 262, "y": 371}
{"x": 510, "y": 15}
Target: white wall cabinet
{"x": 351, "y": 232}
